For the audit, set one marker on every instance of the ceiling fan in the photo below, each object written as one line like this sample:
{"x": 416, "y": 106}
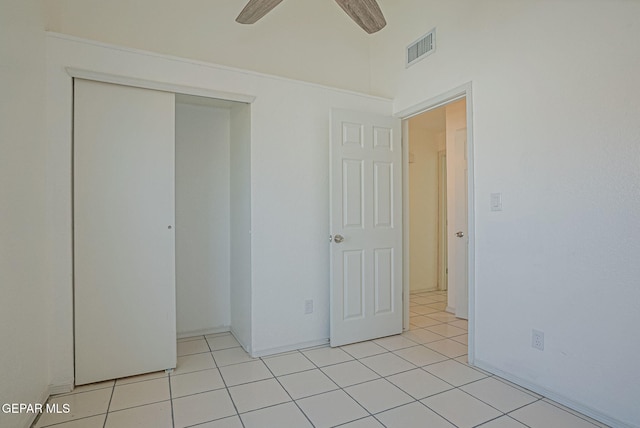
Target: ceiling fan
{"x": 365, "y": 13}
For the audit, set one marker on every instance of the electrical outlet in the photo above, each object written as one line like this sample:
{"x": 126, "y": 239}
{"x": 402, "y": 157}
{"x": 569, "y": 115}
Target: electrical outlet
{"x": 308, "y": 306}
{"x": 537, "y": 339}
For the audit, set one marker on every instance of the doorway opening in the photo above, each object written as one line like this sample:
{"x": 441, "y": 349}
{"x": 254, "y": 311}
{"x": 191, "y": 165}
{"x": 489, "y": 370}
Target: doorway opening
{"x": 438, "y": 215}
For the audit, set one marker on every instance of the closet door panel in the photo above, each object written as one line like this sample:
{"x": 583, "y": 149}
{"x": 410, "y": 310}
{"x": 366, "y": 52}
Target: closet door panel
{"x": 124, "y": 243}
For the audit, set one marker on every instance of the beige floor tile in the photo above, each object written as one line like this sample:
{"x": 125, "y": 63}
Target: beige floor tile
{"x": 142, "y": 378}
{"x": 441, "y": 306}
{"x": 230, "y": 356}
{"x": 422, "y": 336}
{"x": 305, "y": 384}
{"x": 288, "y": 363}
{"x": 455, "y": 373}
{"x": 448, "y": 347}
{"x": 194, "y": 363}
{"x": 90, "y": 387}
{"x": 419, "y": 383}
{"x": 282, "y": 415}
{"x": 349, "y": 373}
{"x": 331, "y": 409}
{"x": 407, "y": 416}
{"x": 446, "y": 330}
{"x": 503, "y": 422}
{"x": 463, "y": 339}
{"x": 387, "y": 364}
{"x": 463, "y": 324}
{"x": 156, "y": 415}
{"x": 424, "y": 310}
{"x": 90, "y": 422}
{"x": 196, "y": 382}
{"x": 325, "y": 356}
{"x": 369, "y": 422}
{"x": 542, "y": 414}
{"x": 498, "y": 394}
{"x": 192, "y": 347}
{"x": 463, "y": 410}
{"x": 420, "y": 355}
{"x": 190, "y": 338}
{"x": 393, "y": 343}
{"x": 423, "y": 300}
{"x": 364, "y": 349}
{"x": 256, "y": 395}
{"x": 424, "y": 321}
{"x": 513, "y": 385}
{"x": 199, "y": 408}
{"x": 442, "y": 316}
{"x": 139, "y": 393}
{"x": 81, "y": 405}
{"x": 222, "y": 341}
{"x": 244, "y": 373}
{"x": 378, "y": 395}
{"x": 230, "y": 422}
{"x": 567, "y": 409}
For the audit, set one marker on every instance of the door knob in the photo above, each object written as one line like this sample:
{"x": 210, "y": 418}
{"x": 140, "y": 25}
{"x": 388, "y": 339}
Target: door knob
{"x": 338, "y": 239}
{"x": 460, "y": 234}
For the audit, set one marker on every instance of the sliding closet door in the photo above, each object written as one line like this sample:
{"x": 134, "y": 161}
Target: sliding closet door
{"x": 124, "y": 243}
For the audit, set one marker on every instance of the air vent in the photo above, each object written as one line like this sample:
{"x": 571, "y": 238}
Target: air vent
{"x": 421, "y": 48}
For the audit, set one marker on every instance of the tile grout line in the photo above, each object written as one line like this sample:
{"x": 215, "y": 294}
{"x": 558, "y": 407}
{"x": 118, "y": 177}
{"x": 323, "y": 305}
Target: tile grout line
{"x": 106, "y": 416}
{"x": 287, "y": 392}
{"x": 173, "y": 421}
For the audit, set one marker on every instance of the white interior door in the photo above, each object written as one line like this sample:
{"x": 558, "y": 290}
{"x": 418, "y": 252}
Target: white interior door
{"x": 366, "y": 227}
{"x": 458, "y": 224}
{"x": 124, "y": 244}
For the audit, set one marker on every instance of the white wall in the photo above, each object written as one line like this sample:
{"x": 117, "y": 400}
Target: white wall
{"x": 555, "y": 108}
{"x": 289, "y": 187}
{"x": 240, "y": 182}
{"x": 202, "y": 218}
{"x": 309, "y": 40}
{"x": 423, "y": 208}
{"x": 24, "y": 375}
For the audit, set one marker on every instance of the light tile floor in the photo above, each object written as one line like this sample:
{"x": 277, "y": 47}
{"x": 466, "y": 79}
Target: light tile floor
{"x": 416, "y": 379}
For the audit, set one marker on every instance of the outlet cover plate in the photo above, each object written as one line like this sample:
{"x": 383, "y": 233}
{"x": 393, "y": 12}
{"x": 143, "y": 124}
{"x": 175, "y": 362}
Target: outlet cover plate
{"x": 537, "y": 339}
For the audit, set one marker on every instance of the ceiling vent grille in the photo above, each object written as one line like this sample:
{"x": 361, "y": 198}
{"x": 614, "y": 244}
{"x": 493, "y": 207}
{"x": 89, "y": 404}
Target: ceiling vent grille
{"x": 421, "y": 48}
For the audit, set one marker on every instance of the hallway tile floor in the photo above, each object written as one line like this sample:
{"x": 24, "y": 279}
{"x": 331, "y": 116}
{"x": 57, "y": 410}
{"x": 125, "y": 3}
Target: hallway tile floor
{"x": 417, "y": 379}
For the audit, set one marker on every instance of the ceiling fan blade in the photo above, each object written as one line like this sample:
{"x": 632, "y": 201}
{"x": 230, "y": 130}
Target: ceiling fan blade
{"x": 366, "y": 13}
{"x": 256, "y": 9}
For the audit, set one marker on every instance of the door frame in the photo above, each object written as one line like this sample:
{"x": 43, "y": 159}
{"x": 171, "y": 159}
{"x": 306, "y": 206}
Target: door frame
{"x": 463, "y": 91}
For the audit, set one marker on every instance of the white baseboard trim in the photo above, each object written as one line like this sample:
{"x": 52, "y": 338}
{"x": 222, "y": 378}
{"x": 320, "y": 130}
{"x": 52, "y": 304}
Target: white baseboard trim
{"x": 204, "y": 332}
{"x": 294, "y": 347}
{"x": 450, "y": 309}
{"x": 31, "y": 417}
{"x": 558, "y": 398}
{"x": 60, "y": 388}
{"x": 245, "y": 346}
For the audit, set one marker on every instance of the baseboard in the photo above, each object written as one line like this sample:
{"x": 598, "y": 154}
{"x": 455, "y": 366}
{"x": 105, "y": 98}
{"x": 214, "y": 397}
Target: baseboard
{"x": 558, "y": 398}
{"x": 245, "y": 346}
{"x": 60, "y": 389}
{"x": 31, "y": 417}
{"x": 450, "y": 309}
{"x": 204, "y": 332}
{"x": 294, "y": 347}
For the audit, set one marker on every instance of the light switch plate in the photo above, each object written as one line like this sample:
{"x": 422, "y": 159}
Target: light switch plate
{"x": 496, "y": 202}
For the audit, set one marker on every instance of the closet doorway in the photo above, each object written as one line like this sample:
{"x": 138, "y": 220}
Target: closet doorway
{"x": 161, "y": 225}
